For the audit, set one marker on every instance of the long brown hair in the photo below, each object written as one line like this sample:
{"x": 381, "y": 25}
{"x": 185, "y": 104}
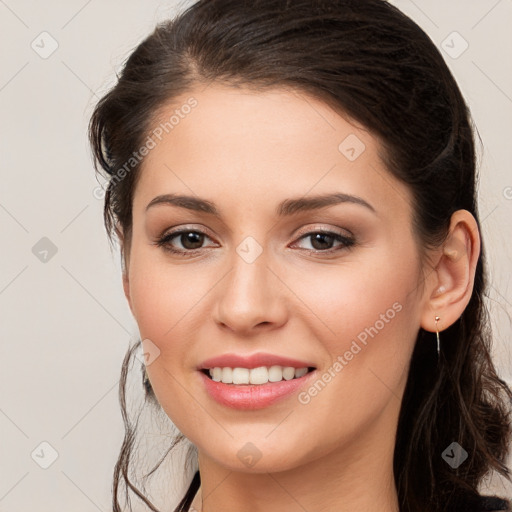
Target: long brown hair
{"x": 368, "y": 60}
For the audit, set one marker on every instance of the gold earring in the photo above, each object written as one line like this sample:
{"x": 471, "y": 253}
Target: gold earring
{"x": 438, "y": 342}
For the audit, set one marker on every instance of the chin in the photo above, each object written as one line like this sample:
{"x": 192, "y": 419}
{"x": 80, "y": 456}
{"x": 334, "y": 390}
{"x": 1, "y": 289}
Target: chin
{"x": 258, "y": 456}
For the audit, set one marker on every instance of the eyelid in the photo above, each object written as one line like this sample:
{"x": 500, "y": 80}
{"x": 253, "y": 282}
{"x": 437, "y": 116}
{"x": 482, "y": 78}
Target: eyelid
{"x": 183, "y": 228}
{"x": 322, "y": 228}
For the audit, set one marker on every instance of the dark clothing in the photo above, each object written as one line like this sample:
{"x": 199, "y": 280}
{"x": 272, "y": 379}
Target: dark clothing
{"x": 492, "y": 504}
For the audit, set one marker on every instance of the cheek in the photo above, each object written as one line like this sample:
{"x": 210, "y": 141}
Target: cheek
{"x": 366, "y": 319}
{"x": 161, "y": 294}
{"x": 170, "y": 304}
{"x": 356, "y": 295}
{"x": 165, "y": 302}
{"x": 367, "y": 326}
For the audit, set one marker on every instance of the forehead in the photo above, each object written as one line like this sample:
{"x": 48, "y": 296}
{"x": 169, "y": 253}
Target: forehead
{"x": 263, "y": 146}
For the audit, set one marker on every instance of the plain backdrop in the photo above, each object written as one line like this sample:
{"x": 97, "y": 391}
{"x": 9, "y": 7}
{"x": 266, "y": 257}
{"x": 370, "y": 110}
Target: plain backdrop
{"x": 65, "y": 324}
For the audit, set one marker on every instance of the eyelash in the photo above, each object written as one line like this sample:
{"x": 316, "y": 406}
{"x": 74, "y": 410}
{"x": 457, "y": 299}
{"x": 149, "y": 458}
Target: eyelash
{"x": 164, "y": 242}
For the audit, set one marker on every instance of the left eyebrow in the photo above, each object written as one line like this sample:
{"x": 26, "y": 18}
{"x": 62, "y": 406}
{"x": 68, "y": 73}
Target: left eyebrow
{"x": 284, "y": 209}
{"x": 291, "y": 206}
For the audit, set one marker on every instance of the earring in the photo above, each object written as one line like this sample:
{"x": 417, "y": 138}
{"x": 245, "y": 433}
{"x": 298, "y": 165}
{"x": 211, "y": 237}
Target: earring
{"x": 438, "y": 342}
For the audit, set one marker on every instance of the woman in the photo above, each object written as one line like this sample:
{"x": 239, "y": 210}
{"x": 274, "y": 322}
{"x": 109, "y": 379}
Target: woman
{"x": 293, "y": 188}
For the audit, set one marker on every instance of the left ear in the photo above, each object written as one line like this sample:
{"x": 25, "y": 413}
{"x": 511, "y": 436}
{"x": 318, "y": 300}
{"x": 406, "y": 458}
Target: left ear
{"x": 450, "y": 285}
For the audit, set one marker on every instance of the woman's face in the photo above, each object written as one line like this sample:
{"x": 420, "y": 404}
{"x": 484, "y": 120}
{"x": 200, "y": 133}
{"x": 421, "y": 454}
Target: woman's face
{"x": 258, "y": 277}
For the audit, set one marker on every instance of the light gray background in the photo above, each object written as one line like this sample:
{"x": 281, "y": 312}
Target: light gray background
{"x": 65, "y": 323}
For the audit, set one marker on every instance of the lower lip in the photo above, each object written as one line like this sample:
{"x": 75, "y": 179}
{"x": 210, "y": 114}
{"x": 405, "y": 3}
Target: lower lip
{"x": 252, "y": 396}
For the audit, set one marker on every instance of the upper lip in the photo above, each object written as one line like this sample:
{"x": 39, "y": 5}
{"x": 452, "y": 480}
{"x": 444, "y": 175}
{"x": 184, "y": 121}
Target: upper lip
{"x": 252, "y": 361}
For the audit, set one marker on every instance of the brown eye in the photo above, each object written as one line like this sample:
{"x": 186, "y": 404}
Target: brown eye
{"x": 322, "y": 241}
{"x": 189, "y": 240}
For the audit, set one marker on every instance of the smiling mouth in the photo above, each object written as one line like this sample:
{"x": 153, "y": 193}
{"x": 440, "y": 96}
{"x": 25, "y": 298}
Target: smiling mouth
{"x": 255, "y": 376}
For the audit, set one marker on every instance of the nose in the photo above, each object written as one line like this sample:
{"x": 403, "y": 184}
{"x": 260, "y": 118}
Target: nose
{"x": 251, "y": 297}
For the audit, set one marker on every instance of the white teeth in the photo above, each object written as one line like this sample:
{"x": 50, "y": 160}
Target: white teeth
{"x": 300, "y": 372}
{"x": 288, "y": 373}
{"x": 260, "y": 375}
{"x": 240, "y": 375}
{"x": 227, "y": 375}
{"x": 216, "y": 374}
{"x": 275, "y": 373}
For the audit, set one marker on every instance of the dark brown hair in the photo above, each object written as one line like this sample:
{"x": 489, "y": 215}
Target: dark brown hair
{"x": 369, "y": 61}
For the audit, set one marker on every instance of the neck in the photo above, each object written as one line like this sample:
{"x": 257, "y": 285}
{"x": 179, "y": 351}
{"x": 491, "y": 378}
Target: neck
{"x": 355, "y": 476}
